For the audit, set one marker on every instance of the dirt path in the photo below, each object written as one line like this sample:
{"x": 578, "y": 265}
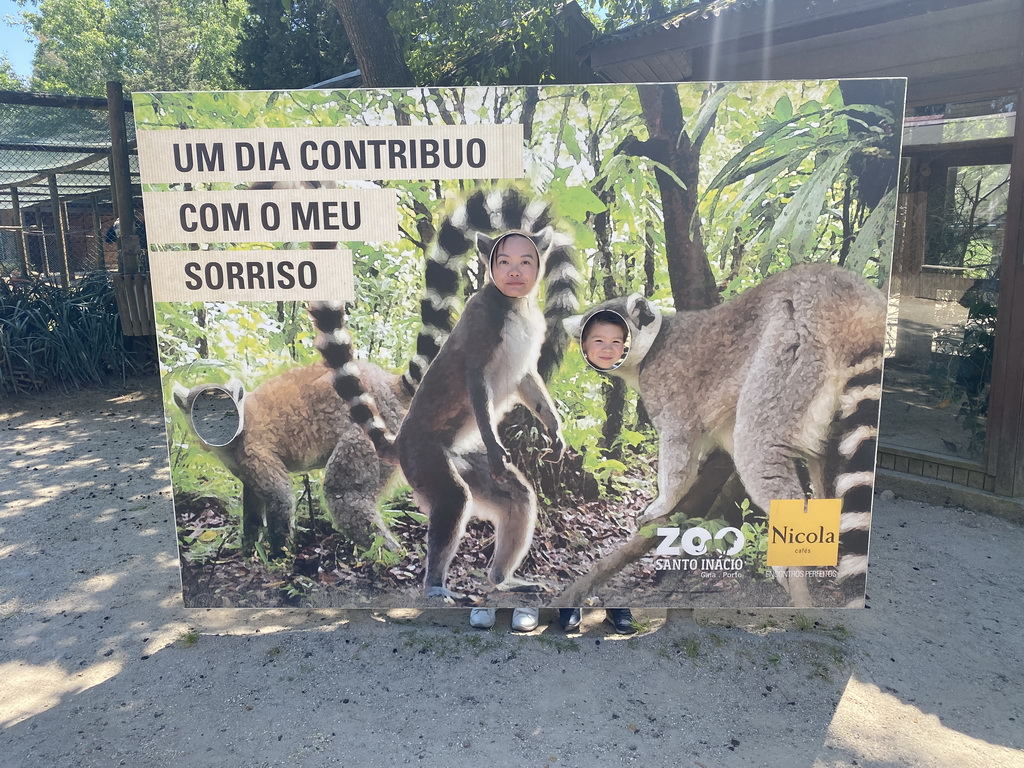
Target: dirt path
{"x": 100, "y": 665}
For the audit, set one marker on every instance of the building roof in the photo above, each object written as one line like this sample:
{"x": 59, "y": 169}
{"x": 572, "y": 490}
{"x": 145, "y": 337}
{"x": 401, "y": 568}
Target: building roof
{"x": 949, "y": 49}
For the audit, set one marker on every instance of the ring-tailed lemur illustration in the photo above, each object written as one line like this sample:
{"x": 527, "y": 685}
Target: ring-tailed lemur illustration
{"x": 787, "y": 373}
{"x": 488, "y": 213}
{"x": 488, "y": 364}
{"x": 295, "y": 422}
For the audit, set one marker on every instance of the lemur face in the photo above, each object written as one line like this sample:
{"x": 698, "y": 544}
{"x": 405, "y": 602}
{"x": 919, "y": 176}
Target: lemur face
{"x": 643, "y": 324}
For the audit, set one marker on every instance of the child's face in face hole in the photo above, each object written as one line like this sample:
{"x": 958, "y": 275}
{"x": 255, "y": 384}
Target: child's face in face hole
{"x": 603, "y": 344}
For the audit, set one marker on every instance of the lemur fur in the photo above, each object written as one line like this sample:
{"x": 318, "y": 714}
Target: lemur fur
{"x": 787, "y": 372}
{"x": 489, "y": 363}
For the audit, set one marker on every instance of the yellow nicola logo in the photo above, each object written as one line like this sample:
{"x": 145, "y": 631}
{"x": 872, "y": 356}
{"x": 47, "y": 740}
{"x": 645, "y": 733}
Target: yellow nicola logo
{"x": 804, "y": 532}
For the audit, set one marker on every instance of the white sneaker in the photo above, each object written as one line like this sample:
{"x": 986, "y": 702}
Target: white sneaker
{"x": 481, "y": 618}
{"x": 525, "y": 619}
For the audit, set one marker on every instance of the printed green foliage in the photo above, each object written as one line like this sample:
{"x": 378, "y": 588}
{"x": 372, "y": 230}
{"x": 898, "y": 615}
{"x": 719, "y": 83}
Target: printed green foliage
{"x": 785, "y": 186}
{"x": 576, "y": 202}
{"x": 774, "y": 190}
{"x": 755, "y": 535}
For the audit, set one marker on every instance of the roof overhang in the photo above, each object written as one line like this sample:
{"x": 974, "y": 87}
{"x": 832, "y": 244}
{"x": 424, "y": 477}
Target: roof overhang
{"x": 965, "y": 47}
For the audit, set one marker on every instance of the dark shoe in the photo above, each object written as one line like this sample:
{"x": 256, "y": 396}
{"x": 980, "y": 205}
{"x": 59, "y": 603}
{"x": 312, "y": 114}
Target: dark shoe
{"x": 569, "y": 619}
{"x": 621, "y": 619}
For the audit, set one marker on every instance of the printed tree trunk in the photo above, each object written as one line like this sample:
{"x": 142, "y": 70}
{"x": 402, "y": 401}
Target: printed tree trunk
{"x": 678, "y": 156}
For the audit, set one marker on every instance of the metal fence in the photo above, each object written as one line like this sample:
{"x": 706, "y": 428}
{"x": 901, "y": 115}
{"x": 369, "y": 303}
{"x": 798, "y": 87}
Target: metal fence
{"x": 57, "y": 206}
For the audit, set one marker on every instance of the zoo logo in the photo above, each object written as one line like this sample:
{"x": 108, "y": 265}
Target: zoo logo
{"x": 694, "y": 541}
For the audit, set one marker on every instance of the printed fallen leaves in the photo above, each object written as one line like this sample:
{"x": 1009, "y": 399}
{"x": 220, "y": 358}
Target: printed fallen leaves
{"x": 214, "y": 572}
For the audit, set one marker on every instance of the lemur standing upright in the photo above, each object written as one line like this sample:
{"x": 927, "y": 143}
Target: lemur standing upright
{"x": 488, "y": 364}
{"x": 786, "y": 374}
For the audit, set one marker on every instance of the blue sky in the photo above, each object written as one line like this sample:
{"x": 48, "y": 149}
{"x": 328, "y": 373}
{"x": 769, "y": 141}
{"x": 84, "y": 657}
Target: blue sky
{"x": 12, "y": 39}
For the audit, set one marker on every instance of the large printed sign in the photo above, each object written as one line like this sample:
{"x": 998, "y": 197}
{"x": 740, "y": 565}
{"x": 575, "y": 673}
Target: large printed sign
{"x": 358, "y": 416}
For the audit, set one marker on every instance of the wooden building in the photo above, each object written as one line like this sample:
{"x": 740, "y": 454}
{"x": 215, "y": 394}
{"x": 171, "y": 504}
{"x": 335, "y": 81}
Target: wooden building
{"x": 953, "y": 413}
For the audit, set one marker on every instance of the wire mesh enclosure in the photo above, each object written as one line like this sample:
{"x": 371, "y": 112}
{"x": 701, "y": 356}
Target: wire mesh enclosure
{"x": 57, "y": 201}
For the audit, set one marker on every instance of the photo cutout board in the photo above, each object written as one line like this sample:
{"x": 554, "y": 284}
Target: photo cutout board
{"x": 662, "y": 391}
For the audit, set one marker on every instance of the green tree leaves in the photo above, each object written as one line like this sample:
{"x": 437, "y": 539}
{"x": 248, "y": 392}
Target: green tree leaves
{"x": 9, "y": 80}
{"x": 438, "y": 38}
{"x": 291, "y": 44}
{"x": 148, "y": 45}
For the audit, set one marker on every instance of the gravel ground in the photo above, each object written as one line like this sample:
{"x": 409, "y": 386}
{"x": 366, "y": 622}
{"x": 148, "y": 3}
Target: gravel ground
{"x": 101, "y": 665}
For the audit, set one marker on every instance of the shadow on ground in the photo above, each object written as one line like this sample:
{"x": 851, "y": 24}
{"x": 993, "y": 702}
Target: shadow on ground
{"x": 102, "y": 666}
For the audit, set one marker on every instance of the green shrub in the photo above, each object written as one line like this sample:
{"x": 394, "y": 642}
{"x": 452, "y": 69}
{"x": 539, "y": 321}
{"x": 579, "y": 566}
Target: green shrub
{"x": 70, "y": 337}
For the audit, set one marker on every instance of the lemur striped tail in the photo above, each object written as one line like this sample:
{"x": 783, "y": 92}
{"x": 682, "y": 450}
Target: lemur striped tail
{"x": 851, "y": 462}
{"x": 335, "y": 344}
{"x": 493, "y": 212}
{"x": 485, "y": 212}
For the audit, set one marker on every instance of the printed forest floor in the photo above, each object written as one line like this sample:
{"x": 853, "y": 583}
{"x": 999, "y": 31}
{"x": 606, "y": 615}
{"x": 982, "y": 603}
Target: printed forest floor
{"x": 102, "y": 665}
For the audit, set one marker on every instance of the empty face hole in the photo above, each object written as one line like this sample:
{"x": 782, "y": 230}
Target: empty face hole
{"x": 215, "y": 416}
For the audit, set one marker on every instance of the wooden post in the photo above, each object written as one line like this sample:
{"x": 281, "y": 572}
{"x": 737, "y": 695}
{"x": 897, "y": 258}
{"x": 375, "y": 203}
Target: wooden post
{"x": 37, "y": 218}
{"x": 20, "y": 221}
{"x": 65, "y": 220}
{"x": 122, "y": 179}
{"x": 134, "y": 298}
{"x": 113, "y": 204}
{"x": 56, "y": 213}
{"x": 1005, "y": 436}
{"x": 97, "y": 229}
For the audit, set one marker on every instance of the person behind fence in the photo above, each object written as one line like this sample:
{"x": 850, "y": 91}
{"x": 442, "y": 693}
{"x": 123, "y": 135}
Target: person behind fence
{"x": 114, "y": 233}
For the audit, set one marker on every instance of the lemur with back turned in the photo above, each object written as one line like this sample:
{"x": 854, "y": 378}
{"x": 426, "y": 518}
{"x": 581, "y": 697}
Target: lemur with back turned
{"x": 295, "y": 422}
{"x": 783, "y": 376}
{"x": 488, "y": 364}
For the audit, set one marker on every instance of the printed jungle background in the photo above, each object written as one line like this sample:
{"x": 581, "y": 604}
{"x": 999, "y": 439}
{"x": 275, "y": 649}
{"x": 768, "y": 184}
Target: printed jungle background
{"x": 686, "y": 193}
